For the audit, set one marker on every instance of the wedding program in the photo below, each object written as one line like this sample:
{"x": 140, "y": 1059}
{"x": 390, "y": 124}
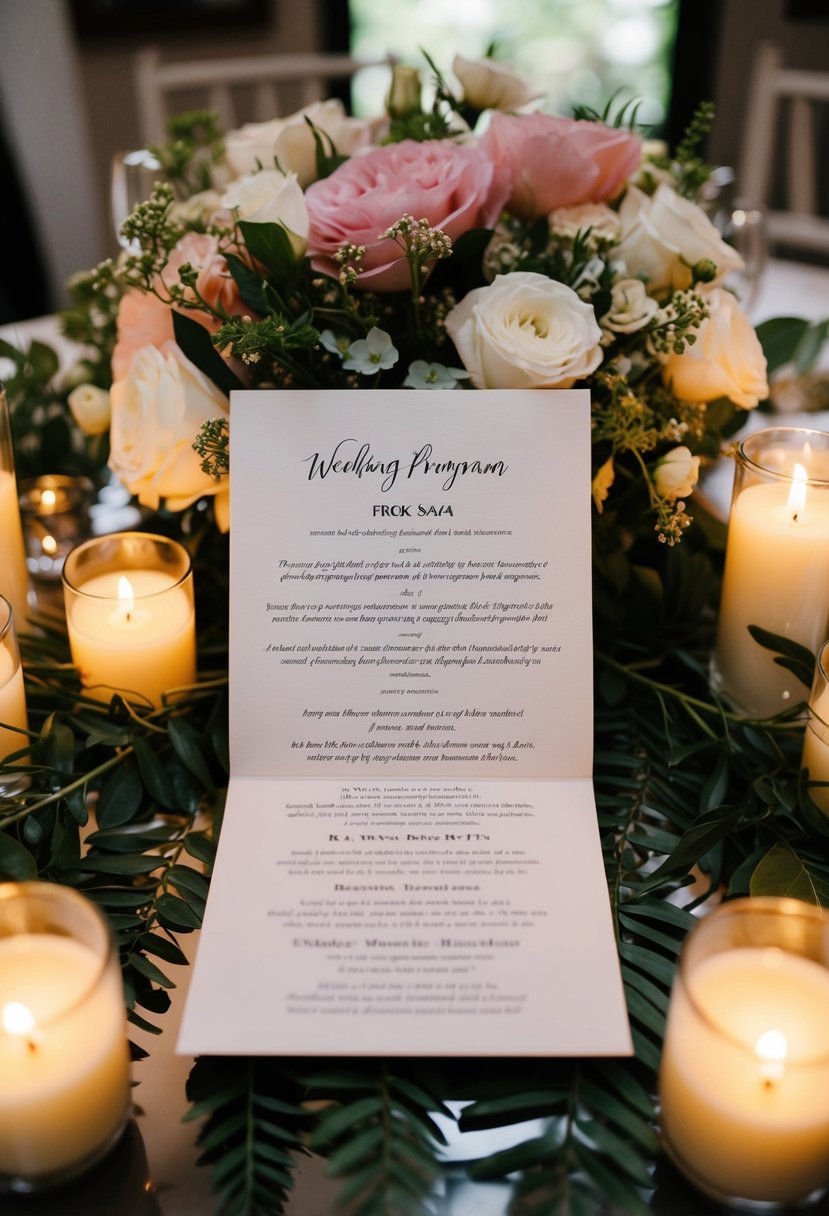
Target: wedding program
{"x": 409, "y": 860}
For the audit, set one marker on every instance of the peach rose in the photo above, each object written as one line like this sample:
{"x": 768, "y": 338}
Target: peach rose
{"x": 726, "y": 360}
{"x": 214, "y": 284}
{"x": 454, "y": 188}
{"x": 143, "y": 320}
{"x": 559, "y": 162}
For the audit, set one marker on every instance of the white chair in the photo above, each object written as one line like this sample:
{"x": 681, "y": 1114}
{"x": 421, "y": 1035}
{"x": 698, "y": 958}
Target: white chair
{"x": 279, "y": 84}
{"x": 777, "y": 92}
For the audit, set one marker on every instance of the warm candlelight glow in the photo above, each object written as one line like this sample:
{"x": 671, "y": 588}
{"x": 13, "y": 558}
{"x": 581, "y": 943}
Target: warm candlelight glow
{"x": 772, "y": 1048}
{"x": 18, "y": 1018}
{"x": 49, "y": 544}
{"x": 126, "y": 598}
{"x": 48, "y": 498}
{"x": 797, "y": 494}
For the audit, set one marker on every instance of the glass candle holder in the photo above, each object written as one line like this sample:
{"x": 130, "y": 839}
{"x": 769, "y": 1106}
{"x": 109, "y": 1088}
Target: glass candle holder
{"x": 12, "y": 695}
{"x": 14, "y": 576}
{"x": 55, "y": 512}
{"x": 130, "y": 616}
{"x": 816, "y": 736}
{"x": 776, "y": 565}
{"x": 65, "y": 1094}
{"x": 744, "y": 1081}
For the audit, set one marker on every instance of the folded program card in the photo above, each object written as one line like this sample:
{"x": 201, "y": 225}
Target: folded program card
{"x": 409, "y": 860}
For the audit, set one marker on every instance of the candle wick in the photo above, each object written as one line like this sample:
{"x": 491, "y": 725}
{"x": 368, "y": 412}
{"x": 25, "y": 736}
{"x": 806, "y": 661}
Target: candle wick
{"x": 794, "y": 518}
{"x": 129, "y": 614}
{"x": 32, "y": 1046}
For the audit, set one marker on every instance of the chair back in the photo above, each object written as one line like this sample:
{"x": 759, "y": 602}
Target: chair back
{"x": 271, "y": 85}
{"x": 783, "y": 105}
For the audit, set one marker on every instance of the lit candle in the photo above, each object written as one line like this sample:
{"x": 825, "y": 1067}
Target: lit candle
{"x": 777, "y": 565}
{"x": 64, "y": 1064}
{"x": 55, "y": 513}
{"x": 132, "y": 624}
{"x": 12, "y": 694}
{"x": 816, "y": 736}
{"x": 14, "y": 577}
{"x": 744, "y": 1083}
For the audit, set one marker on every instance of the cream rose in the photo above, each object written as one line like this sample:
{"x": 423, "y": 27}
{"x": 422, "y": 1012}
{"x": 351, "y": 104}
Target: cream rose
{"x": 90, "y": 408}
{"x": 726, "y": 360}
{"x": 675, "y": 475}
{"x": 664, "y": 236}
{"x": 525, "y": 331}
{"x": 271, "y": 197}
{"x": 601, "y": 221}
{"x": 630, "y": 307}
{"x": 289, "y": 142}
{"x": 489, "y": 85}
{"x": 157, "y": 410}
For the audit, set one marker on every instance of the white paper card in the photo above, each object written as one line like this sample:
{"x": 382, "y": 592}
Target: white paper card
{"x": 409, "y": 860}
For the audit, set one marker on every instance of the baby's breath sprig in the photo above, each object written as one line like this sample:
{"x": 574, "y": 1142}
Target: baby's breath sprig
{"x": 212, "y": 445}
{"x": 150, "y": 226}
{"x": 621, "y": 416}
{"x": 265, "y": 346}
{"x": 348, "y": 257}
{"x": 671, "y": 520}
{"x": 674, "y": 326}
{"x": 422, "y": 245}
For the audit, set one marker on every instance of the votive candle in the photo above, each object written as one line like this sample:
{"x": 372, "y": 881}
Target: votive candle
{"x": 744, "y": 1081}
{"x": 64, "y": 1062}
{"x": 130, "y": 616}
{"x": 12, "y": 693}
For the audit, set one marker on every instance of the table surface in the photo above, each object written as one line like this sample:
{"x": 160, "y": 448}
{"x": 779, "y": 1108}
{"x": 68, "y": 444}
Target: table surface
{"x": 152, "y": 1172}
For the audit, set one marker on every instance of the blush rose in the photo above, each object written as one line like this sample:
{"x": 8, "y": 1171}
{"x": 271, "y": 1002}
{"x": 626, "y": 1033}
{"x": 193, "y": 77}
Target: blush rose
{"x": 454, "y": 188}
{"x": 559, "y": 162}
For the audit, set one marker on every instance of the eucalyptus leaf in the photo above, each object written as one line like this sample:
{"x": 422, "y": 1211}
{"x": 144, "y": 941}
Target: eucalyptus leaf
{"x": 120, "y": 798}
{"x": 187, "y": 746}
{"x": 16, "y": 862}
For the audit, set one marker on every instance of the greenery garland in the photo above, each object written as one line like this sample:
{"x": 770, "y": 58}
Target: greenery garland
{"x": 687, "y": 793}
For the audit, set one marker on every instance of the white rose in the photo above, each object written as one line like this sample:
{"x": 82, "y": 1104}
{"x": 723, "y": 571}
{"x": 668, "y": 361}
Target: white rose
{"x": 199, "y": 209}
{"x": 90, "y": 408}
{"x": 726, "y": 360}
{"x": 630, "y": 307}
{"x": 525, "y": 331}
{"x": 289, "y": 142}
{"x": 157, "y": 410}
{"x": 676, "y": 473}
{"x": 663, "y": 236}
{"x": 271, "y": 197}
{"x": 488, "y": 85}
{"x": 602, "y": 221}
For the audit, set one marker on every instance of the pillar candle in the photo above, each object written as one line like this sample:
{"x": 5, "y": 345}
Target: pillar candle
{"x": 776, "y": 570}
{"x": 14, "y": 576}
{"x": 12, "y": 692}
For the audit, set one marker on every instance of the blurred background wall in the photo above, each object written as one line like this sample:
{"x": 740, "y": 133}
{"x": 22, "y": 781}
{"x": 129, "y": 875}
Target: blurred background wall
{"x": 67, "y": 97}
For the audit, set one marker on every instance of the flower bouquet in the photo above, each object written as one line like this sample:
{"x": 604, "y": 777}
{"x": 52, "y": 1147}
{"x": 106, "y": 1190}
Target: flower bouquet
{"x": 474, "y": 243}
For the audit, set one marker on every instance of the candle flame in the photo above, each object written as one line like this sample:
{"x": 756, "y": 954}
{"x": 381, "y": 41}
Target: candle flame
{"x": 126, "y": 597}
{"x": 18, "y": 1018}
{"x": 49, "y": 545}
{"x": 772, "y": 1047}
{"x": 48, "y": 498}
{"x": 797, "y": 494}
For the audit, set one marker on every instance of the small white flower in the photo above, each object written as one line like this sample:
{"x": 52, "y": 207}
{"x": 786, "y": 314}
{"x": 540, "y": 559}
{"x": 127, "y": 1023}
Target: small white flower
{"x": 90, "y": 408}
{"x": 675, "y": 475}
{"x": 371, "y": 354}
{"x": 433, "y": 375}
{"x": 337, "y": 346}
{"x": 631, "y": 307}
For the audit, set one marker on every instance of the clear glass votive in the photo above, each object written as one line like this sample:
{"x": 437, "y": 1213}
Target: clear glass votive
{"x": 55, "y": 512}
{"x": 130, "y": 616}
{"x": 64, "y": 1061}
{"x": 12, "y": 697}
{"x": 776, "y": 565}
{"x": 744, "y": 1081}
{"x": 816, "y": 736}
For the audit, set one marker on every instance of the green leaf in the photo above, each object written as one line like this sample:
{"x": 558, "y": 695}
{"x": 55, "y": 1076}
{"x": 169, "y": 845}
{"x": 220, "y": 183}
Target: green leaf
{"x": 472, "y": 243}
{"x": 251, "y": 287}
{"x": 186, "y": 744}
{"x": 200, "y": 846}
{"x": 150, "y": 971}
{"x": 153, "y": 773}
{"x": 195, "y": 343}
{"x": 156, "y": 943}
{"x": 791, "y": 655}
{"x": 270, "y": 245}
{"x": 783, "y": 872}
{"x": 779, "y": 338}
{"x": 610, "y": 1184}
{"x": 16, "y": 862}
{"x": 511, "y": 1108}
{"x": 120, "y": 798}
{"x": 809, "y": 347}
{"x": 174, "y": 913}
{"x": 126, "y": 865}
{"x": 335, "y": 1121}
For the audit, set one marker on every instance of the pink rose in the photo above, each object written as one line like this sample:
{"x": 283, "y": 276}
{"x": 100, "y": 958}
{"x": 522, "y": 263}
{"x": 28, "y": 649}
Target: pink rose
{"x": 144, "y": 320}
{"x": 559, "y": 162}
{"x": 454, "y": 188}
